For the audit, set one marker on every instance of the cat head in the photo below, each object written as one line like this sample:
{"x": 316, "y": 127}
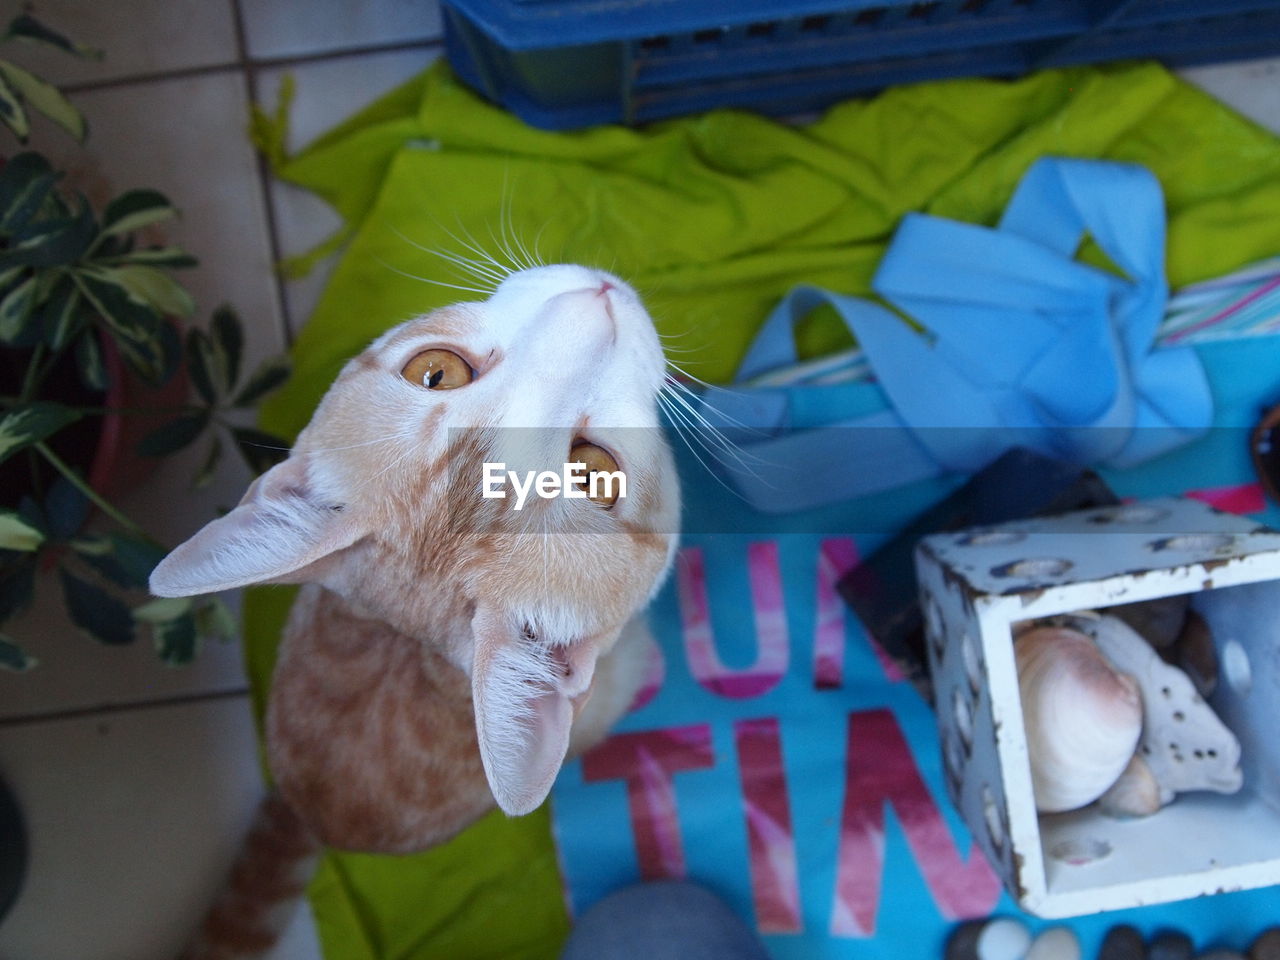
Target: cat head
{"x": 383, "y": 500}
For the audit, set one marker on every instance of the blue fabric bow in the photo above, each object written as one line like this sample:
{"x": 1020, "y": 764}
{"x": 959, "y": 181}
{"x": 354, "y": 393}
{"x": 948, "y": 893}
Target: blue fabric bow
{"x": 1023, "y": 346}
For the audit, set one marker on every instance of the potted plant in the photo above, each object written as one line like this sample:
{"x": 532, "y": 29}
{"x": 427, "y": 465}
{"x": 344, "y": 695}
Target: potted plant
{"x": 94, "y": 375}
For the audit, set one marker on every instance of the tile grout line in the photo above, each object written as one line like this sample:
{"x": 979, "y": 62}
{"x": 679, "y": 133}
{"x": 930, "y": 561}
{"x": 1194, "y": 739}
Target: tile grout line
{"x": 76, "y": 713}
{"x": 249, "y": 75}
{"x": 245, "y": 60}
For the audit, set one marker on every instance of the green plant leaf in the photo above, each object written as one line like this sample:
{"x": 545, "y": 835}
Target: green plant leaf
{"x": 136, "y": 322}
{"x": 134, "y": 210}
{"x": 205, "y": 474}
{"x": 170, "y": 344}
{"x": 153, "y": 287}
{"x": 32, "y": 513}
{"x": 215, "y": 620}
{"x": 271, "y": 373}
{"x": 21, "y": 428}
{"x": 26, "y": 27}
{"x": 54, "y": 241}
{"x": 91, "y": 546}
{"x": 260, "y": 450}
{"x": 208, "y": 373}
{"x": 17, "y": 585}
{"x": 16, "y": 533}
{"x": 228, "y": 334}
{"x": 25, "y": 183}
{"x": 13, "y": 657}
{"x": 177, "y": 641}
{"x": 135, "y": 328}
{"x": 163, "y": 609}
{"x": 122, "y": 559}
{"x": 9, "y": 275}
{"x": 15, "y": 310}
{"x": 97, "y": 613}
{"x": 62, "y": 318}
{"x": 172, "y": 257}
{"x": 89, "y": 362}
{"x": 46, "y": 98}
{"x": 12, "y": 111}
{"x": 174, "y": 435}
{"x": 66, "y": 509}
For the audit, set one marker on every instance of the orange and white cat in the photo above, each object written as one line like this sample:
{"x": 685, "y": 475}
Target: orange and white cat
{"x": 449, "y": 650}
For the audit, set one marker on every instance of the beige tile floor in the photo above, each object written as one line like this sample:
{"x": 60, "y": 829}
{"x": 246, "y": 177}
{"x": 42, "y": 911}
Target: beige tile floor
{"x": 138, "y": 780}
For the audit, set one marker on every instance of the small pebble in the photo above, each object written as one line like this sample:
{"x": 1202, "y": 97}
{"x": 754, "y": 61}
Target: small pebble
{"x": 1122, "y": 943}
{"x": 1171, "y": 945}
{"x": 1004, "y": 939}
{"x": 1056, "y": 943}
{"x": 997, "y": 939}
{"x": 963, "y": 942}
{"x": 1267, "y": 946}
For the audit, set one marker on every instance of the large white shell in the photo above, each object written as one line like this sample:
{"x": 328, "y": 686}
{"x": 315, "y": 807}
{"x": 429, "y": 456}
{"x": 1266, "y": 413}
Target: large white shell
{"x": 1184, "y": 743}
{"x": 1082, "y": 717}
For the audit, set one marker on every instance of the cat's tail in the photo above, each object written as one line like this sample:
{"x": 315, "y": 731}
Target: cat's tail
{"x": 266, "y": 885}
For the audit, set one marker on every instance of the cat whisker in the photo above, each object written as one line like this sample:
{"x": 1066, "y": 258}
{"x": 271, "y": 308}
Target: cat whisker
{"x": 495, "y": 270}
{"x": 686, "y": 374}
{"x": 686, "y": 401}
{"x": 675, "y": 424}
{"x": 471, "y": 269}
{"x": 409, "y": 450}
{"x": 537, "y": 244}
{"x": 481, "y": 269}
{"x": 678, "y": 389}
{"x": 525, "y": 259}
{"x": 364, "y": 443}
{"x": 707, "y": 433}
{"x": 668, "y": 348}
{"x": 474, "y": 245}
{"x": 696, "y": 433}
{"x": 439, "y": 283}
{"x": 498, "y": 271}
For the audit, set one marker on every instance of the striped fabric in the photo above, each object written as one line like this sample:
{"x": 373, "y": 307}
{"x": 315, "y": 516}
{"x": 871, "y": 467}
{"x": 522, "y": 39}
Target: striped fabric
{"x": 1241, "y": 304}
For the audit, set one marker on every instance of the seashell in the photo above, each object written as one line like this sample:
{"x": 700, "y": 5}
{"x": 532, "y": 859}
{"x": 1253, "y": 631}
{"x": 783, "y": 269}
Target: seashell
{"x": 1157, "y": 621}
{"x": 1135, "y": 794}
{"x": 1184, "y": 743}
{"x": 1082, "y": 717}
{"x": 1122, "y": 943}
{"x": 1171, "y": 945}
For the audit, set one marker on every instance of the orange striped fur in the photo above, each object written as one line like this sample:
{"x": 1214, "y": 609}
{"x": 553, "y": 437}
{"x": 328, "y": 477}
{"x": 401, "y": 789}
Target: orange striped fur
{"x": 447, "y": 651}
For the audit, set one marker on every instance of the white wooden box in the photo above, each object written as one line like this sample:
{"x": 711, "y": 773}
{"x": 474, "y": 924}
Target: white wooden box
{"x": 976, "y": 584}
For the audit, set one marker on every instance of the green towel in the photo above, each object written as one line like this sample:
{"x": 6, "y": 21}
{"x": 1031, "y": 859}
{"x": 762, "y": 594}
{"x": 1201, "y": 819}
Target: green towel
{"x": 712, "y": 218}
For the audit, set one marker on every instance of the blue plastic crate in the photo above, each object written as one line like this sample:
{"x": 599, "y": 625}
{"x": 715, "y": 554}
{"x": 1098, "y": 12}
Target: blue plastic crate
{"x": 570, "y": 63}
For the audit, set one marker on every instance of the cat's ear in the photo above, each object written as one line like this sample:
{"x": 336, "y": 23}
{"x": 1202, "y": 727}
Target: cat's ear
{"x": 281, "y": 526}
{"x": 525, "y": 692}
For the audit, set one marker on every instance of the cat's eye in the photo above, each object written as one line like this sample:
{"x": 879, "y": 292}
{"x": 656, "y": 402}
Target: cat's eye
{"x": 601, "y": 489}
{"x": 438, "y": 370}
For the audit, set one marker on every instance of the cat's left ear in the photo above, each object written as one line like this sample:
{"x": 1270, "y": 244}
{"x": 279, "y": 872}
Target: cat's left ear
{"x": 282, "y": 525}
{"x": 525, "y": 691}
